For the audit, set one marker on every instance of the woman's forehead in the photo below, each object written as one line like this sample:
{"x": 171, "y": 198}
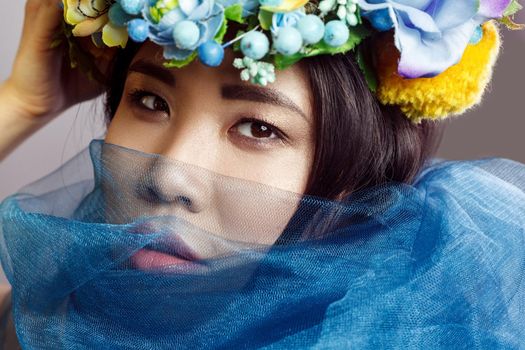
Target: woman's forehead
{"x": 292, "y": 82}
{"x": 153, "y": 53}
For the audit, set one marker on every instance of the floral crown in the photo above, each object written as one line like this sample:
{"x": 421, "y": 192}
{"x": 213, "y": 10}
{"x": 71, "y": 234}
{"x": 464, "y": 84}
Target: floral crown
{"x": 436, "y": 64}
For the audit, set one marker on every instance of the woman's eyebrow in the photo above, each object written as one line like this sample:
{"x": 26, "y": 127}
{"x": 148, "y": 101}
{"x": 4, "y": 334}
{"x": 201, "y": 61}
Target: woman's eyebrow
{"x": 229, "y": 91}
{"x": 260, "y": 94}
{"x": 153, "y": 70}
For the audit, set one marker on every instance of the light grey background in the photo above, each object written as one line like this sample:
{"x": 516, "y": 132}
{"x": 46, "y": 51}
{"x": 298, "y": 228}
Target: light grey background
{"x": 494, "y": 129}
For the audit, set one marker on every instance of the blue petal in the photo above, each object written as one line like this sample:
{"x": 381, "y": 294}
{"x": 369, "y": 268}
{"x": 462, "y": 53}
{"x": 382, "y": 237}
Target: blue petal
{"x": 431, "y": 57}
{"x": 187, "y": 6}
{"x": 172, "y": 52}
{"x": 211, "y": 27}
{"x": 415, "y": 18}
{"x": 478, "y": 35}
{"x": 215, "y": 21}
{"x": 171, "y": 18}
{"x": 250, "y": 7}
{"x": 381, "y": 16}
{"x": 417, "y": 4}
{"x": 146, "y": 14}
{"x": 203, "y": 28}
{"x": 379, "y": 4}
{"x": 450, "y": 14}
{"x": 162, "y": 37}
{"x": 431, "y": 34}
{"x": 381, "y": 19}
{"x": 372, "y": 5}
{"x": 202, "y": 11}
{"x": 228, "y": 3}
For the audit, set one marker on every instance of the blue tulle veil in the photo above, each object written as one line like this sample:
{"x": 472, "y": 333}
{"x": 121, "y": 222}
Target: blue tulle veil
{"x": 113, "y": 251}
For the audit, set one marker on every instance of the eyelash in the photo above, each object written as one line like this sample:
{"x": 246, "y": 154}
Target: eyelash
{"x": 137, "y": 95}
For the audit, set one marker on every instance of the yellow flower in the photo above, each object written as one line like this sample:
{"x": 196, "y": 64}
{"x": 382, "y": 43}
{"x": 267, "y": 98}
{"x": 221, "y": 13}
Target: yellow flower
{"x": 89, "y": 17}
{"x": 284, "y": 6}
{"x": 449, "y": 93}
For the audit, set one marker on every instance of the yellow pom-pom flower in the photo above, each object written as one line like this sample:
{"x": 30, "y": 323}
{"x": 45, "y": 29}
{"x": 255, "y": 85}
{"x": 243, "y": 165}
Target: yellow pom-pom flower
{"x": 450, "y": 93}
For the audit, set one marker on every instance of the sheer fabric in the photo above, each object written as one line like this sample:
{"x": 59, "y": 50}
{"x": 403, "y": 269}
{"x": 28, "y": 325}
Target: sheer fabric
{"x": 111, "y": 252}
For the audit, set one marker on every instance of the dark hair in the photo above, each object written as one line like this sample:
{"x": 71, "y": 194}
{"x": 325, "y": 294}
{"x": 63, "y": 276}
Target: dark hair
{"x": 359, "y": 143}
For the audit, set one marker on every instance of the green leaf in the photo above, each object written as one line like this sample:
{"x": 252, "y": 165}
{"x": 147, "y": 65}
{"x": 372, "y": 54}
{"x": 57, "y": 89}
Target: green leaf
{"x": 252, "y": 22}
{"x": 181, "y": 63}
{"x": 219, "y": 37}
{"x": 513, "y": 7}
{"x": 162, "y": 7}
{"x": 357, "y": 34}
{"x": 359, "y": 17}
{"x": 510, "y": 11}
{"x": 510, "y": 24}
{"x": 363, "y": 60}
{"x": 283, "y": 62}
{"x": 265, "y": 19}
{"x": 237, "y": 44}
{"x": 234, "y": 13}
{"x": 155, "y": 14}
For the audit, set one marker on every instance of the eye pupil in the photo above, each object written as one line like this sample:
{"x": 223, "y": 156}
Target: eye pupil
{"x": 260, "y": 130}
{"x": 160, "y": 105}
{"x": 155, "y": 103}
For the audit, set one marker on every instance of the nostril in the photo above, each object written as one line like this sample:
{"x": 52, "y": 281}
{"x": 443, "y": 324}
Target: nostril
{"x": 184, "y": 200}
{"x": 153, "y": 195}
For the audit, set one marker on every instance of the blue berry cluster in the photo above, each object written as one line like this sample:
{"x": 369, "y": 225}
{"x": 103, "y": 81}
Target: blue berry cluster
{"x": 289, "y": 40}
{"x": 256, "y": 72}
{"x": 190, "y": 28}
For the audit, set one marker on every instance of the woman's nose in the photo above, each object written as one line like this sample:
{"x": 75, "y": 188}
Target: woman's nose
{"x": 174, "y": 183}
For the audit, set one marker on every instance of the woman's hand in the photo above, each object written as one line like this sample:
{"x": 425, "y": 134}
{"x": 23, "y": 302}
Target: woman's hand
{"x": 42, "y": 82}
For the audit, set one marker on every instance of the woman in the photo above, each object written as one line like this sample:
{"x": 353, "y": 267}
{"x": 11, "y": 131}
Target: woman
{"x": 290, "y": 215}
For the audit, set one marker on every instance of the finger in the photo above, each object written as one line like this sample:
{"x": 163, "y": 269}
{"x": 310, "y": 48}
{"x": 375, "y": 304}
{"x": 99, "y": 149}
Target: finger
{"x": 41, "y": 23}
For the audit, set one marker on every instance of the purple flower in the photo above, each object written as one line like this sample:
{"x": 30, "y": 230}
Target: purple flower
{"x": 430, "y": 34}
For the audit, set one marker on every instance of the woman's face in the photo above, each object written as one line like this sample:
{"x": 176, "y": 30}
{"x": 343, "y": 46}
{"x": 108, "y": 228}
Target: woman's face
{"x": 209, "y": 118}
{"x": 216, "y": 129}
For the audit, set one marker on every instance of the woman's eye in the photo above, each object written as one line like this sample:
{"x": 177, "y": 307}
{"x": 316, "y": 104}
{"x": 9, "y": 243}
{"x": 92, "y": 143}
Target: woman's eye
{"x": 154, "y": 103}
{"x": 150, "y": 101}
{"x": 257, "y": 130}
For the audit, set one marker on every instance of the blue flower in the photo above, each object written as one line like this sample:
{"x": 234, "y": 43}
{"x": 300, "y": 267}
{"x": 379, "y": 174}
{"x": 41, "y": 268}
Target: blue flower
{"x": 249, "y": 7}
{"x": 286, "y": 19}
{"x": 430, "y": 34}
{"x": 208, "y": 15}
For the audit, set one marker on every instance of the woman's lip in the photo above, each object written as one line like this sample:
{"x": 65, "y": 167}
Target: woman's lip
{"x": 172, "y": 244}
{"x": 146, "y": 259}
{"x": 169, "y": 242}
